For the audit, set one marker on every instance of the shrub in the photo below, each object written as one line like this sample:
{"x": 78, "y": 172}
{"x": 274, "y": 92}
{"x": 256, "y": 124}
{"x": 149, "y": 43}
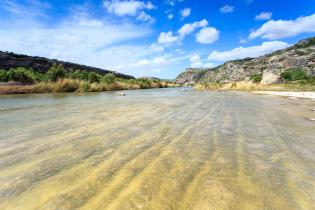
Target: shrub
{"x": 108, "y": 78}
{"x": 294, "y": 74}
{"x": 256, "y": 78}
{"x": 94, "y": 77}
{"x": 56, "y": 72}
{"x": 3, "y": 76}
{"x": 21, "y": 74}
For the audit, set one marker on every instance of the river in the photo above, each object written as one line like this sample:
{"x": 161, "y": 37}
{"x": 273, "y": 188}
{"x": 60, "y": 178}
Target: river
{"x": 156, "y": 149}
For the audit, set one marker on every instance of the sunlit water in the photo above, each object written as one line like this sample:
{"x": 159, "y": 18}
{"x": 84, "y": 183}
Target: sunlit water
{"x": 156, "y": 149}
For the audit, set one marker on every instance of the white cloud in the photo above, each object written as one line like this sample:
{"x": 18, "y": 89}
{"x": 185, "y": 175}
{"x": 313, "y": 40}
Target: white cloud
{"x": 285, "y": 28}
{"x": 243, "y": 41}
{"x": 167, "y": 38}
{"x": 190, "y": 27}
{"x": 194, "y": 58}
{"x": 170, "y": 16}
{"x": 158, "y": 65}
{"x": 264, "y": 16}
{"x": 185, "y": 12}
{"x": 129, "y": 8}
{"x": 243, "y": 52}
{"x": 145, "y": 17}
{"x": 27, "y": 9}
{"x": 227, "y": 9}
{"x": 207, "y": 35}
{"x": 196, "y": 62}
{"x": 156, "y": 47}
{"x": 172, "y": 2}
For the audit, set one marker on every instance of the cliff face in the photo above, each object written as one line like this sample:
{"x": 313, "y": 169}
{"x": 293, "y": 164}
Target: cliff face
{"x": 40, "y": 64}
{"x": 301, "y": 55}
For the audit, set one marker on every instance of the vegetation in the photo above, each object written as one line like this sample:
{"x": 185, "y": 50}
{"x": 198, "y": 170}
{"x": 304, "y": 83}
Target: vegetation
{"x": 56, "y": 79}
{"x": 256, "y": 78}
{"x": 295, "y": 74}
{"x": 250, "y": 86}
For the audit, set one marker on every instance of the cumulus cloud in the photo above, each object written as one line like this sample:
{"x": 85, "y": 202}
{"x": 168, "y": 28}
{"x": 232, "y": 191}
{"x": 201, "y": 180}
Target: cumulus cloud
{"x": 190, "y": 27}
{"x": 145, "y": 17}
{"x": 196, "y": 62}
{"x": 129, "y": 8}
{"x": 285, "y": 28}
{"x": 185, "y": 12}
{"x": 227, "y": 9}
{"x": 207, "y": 35}
{"x": 244, "y": 52}
{"x": 264, "y": 16}
{"x": 167, "y": 38}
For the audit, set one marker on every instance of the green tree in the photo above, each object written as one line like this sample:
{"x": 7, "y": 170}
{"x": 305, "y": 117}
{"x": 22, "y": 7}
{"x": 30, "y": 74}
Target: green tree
{"x": 3, "y": 76}
{"x": 108, "y": 78}
{"x": 56, "y": 72}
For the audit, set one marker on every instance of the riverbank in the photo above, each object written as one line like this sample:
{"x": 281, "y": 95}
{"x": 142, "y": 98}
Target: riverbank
{"x": 307, "y": 95}
{"x": 75, "y": 85}
{"x": 250, "y": 87}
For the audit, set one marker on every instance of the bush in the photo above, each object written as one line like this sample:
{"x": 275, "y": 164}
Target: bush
{"x": 56, "y": 72}
{"x": 24, "y": 75}
{"x": 94, "y": 77}
{"x": 3, "y": 76}
{"x": 108, "y": 78}
{"x": 256, "y": 78}
{"x": 294, "y": 74}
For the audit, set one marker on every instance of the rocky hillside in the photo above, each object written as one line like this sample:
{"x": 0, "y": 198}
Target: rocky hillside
{"x": 270, "y": 66}
{"x": 40, "y": 64}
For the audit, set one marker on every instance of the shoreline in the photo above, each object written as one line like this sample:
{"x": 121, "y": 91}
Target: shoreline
{"x": 302, "y": 94}
{"x": 69, "y": 85}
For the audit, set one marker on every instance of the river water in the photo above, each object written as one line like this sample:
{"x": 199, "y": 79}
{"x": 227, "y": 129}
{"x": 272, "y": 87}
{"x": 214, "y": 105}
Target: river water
{"x": 156, "y": 149}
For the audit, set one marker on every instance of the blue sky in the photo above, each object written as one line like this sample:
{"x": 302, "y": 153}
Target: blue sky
{"x": 153, "y": 38}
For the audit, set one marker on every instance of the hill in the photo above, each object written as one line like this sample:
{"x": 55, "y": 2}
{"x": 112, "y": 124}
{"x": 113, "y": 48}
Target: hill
{"x": 270, "y": 68}
{"x": 40, "y": 64}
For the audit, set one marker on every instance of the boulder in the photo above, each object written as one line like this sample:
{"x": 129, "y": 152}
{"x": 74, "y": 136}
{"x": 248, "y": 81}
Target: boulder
{"x": 270, "y": 78}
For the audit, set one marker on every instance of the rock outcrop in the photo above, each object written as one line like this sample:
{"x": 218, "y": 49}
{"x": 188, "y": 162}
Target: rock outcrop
{"x": 40, "y": 64}
{"x": 301, "y": 55}
{"x": 270, "y": 78}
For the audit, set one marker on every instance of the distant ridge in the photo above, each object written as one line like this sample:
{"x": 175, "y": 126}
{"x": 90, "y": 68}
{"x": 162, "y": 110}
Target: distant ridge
{"x": 11, "y": 60}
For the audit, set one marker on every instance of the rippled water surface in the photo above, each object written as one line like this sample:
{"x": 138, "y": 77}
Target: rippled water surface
{"x": 156, "y": 149}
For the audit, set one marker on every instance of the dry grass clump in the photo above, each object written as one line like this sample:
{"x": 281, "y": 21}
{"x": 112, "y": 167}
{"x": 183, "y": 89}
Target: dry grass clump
{"x": 62, "y": 85}
{"x": 250, "y": 86}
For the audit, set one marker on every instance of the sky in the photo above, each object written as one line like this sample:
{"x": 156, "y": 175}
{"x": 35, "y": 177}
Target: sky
{"x": 153, "y": 38}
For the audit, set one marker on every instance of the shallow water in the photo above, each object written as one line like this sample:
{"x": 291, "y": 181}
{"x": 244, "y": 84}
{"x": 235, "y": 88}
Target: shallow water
{"x": 156, "y": 149}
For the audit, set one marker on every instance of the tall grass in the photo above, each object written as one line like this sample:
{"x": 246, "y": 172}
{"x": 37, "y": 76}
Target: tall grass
{"x": 76, "y": 85}
{"x": 250, "y": 86}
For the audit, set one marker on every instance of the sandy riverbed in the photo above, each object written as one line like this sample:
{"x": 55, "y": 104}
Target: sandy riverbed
{"x": 309, "y": 95}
